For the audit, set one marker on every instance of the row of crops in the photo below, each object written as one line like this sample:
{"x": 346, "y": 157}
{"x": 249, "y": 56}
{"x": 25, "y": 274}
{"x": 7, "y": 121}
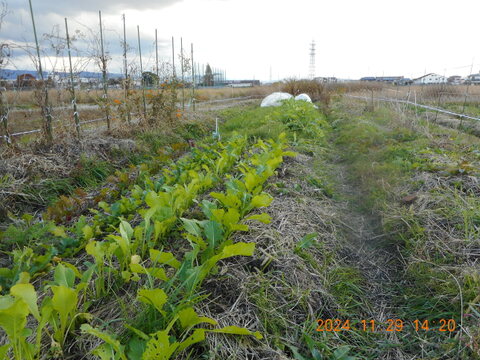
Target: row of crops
{"x": 160, "y": 237}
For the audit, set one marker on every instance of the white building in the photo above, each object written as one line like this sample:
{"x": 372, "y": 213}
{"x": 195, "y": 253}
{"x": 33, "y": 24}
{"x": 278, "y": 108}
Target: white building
{"x": 430, "y": 79}
{"x": 473, "y": 79}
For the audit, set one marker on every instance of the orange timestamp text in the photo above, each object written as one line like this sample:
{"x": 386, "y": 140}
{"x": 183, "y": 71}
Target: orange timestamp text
{"x": 390, "y": 325}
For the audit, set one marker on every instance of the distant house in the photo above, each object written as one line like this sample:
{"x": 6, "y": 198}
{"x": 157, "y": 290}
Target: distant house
{"x": 26, "y": 80}
{"x": 455, "y": 80}
{"x": 389, "y": 79}
{"x": 430, "y": 79}
{"x": 473, "y": 79}
{"x": 242, "y": 83}
{"x": 403, "y": 81}
{"x": 328, "y": 80}
{"x": 384, "y": 79}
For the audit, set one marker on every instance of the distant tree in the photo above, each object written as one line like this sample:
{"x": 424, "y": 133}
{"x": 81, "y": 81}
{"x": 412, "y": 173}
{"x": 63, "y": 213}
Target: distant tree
{"x": 150, "y": 79}
{"x": 208, "y": 77}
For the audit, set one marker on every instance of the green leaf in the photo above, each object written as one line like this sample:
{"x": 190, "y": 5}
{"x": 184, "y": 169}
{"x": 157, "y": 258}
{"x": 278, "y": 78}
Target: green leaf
{"x": 138, "y": 269}
{"x": 126, "y": 230}
{"x": 261, "y": 200}
{"x": 342, "y": 353}
{"x": 217, "y": 215}
{"x": 162, "y": 227}
{"x": 46, "y": 314}
{"x": 64, "y": 276}
{"x": 13, "y": 316}
{"x": 139, "y": 333}
{"x": 155, "y": 297}
{"x": 27, "y": 293}
{"x": 105, "y": 352}
{"x": 124, "y": 244}
{"x": 197, "y": 336}
{"x": 3, "y": 351}
{"x": 289, "y": 153}
{"x": 166, "y": 258}
{"x": 263, "y": 217}
{"x": 159, "y": 347}
{"x": 23, "y": 278}
{"x": 196, "y": 240}
{"x": 251, "y": 181}
{"x": 73, "y": 268}
{"x": 192, "y": 226}
{"x": 152, "y": 199}
{"x": 136, "y": 347}
{"x": 231, "y": 217}
{"x": 235, "y": 330}
{"x": 158, "y": 273}
{"x": 214, "y": 233}
{"x": 87, "y": 233}
{"x": 239, "y": 227}
{"x": 114, "y": 343}
{"x": 126, "y": 275}
{"x": 87, "y": 275}
{"x": 189, "y": 318}
{"x": 58, "y": 231}
{"x": 229, "y": 201}
{"x": 95, "y": 249}
{"x": 238, "y": 249}
{"x": 64, "y": 302}
{"x": 307, "y": 241}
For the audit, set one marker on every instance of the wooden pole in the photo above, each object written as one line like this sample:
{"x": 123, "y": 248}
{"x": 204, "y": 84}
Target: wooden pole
{"x": 173, "y": 59}
{"x": 72, "y": 87}
{"x": 141, "y": 74}
{"x": 45, "y": 106}
{"x": 4, "y": 118}
{"x": 156, "y": 58}
{"x": 125, "y": 67}
{"x": 197, "y": 72}
{"x": 193, "y": 77}
{"x": 104, "y": 73}
{"x": 183, "y": 74}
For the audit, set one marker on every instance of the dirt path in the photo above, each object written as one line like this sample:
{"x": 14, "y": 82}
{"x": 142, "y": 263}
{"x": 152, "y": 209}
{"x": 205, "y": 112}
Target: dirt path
{"x": 377, "y": 262}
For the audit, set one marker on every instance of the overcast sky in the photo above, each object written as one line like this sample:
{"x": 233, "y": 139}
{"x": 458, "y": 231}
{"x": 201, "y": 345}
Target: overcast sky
{"x": 256, "y": 38}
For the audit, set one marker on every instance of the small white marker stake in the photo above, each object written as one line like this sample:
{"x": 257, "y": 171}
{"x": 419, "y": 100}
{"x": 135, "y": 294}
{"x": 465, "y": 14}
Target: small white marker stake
{"x": 216, "y": 133}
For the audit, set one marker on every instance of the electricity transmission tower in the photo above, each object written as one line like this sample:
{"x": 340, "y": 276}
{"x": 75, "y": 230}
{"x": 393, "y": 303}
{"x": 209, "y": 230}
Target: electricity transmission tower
{"x": 311, "y": 70}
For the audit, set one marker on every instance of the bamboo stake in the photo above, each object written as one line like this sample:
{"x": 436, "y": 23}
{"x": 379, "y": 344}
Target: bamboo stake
{"x": 156, "y": 58}
{"x": 183, "y": 74}
{"x": 173, "y": 59}
{"x": 141, "y": 74}
{"x": 45, "y": 105}
{"x": 193, "y": 77}
{"x": 72, "y": 89}
{"x": 4, "y": 118}
{"x": 125, "y": 66}
{"x": 198, "y": 75}
{"x": 104, "y": 73}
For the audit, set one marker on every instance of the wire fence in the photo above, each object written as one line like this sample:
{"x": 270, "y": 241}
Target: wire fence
{"x": 217, "y": 101}
{"x": 415, "y": 104}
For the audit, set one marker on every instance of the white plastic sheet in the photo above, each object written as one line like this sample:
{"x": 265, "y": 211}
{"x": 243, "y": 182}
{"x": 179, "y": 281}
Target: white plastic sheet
{"x": 275, "y": 99}
{"x": 303, "y": 97}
